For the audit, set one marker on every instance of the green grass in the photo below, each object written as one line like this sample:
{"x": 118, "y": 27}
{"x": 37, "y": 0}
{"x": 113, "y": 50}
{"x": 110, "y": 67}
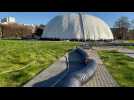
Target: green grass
{"x": 22, "y": 60}
{"x": 129, "y": 47}
{"x": 120, "y": 66}
{"x": 130, "y": 41}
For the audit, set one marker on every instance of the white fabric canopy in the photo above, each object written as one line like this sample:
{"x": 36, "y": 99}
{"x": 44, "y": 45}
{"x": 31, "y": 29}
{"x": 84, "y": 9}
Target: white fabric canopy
{"x": 69, "y": 27}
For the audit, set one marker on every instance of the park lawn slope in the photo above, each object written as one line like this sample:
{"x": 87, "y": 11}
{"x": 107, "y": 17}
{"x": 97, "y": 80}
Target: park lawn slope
{"x": 22, "y": 60}
{"x": 120, "y": 66}
{"x": 130, "y": 47}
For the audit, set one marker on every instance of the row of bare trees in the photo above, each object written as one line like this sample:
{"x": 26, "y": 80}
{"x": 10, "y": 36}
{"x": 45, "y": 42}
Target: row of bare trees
{"x": 14, "y": 30}
{"x": 124, "y": 28}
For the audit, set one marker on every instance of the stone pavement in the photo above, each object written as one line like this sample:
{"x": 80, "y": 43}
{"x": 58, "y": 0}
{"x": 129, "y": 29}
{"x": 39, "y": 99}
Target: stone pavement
{"x": 102, "y": 77}
{"x": 49, "y": 76}
{"x": 126, "y": 51}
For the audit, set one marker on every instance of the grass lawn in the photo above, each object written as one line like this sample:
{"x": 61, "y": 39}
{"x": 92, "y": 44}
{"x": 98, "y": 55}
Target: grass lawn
{"x": 120, "y": 66}
{"x": 129, "y": 47}
{"x": 22, "y": 60}
{"x": 130, "y": 41}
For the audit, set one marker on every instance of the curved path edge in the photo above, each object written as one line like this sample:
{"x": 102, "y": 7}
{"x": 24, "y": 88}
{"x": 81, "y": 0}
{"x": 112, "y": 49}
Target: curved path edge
{"x": 56, "y": 68}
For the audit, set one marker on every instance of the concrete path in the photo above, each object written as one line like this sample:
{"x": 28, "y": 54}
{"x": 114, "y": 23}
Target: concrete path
{"x": 102, "y": 77}
{"x": 54, "y": 75}
{"x": 50, "y": 76}
{"x": 74, "y": 63}
{"x": 126, "y": 51}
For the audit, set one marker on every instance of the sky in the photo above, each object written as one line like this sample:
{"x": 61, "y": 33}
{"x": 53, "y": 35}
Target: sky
{"x": 44, "y": 17}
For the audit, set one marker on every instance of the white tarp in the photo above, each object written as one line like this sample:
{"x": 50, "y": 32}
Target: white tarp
{"x": 68, "y": 27}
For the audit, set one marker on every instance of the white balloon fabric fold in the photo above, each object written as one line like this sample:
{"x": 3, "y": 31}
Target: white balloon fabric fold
{"x": 69, "y": 27}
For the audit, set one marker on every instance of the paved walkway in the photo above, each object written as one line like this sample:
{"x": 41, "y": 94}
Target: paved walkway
{"x": 55, "y": 75}
{"x": 56, "y": 72}
{"x": 102, "y": 78}
{"x": 50, "y": 76}
{"x": 126, "y": 51}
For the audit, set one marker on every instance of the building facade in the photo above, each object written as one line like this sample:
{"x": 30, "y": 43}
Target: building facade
{"x": 122, "y": 33}
{"x": 8, "y": 20}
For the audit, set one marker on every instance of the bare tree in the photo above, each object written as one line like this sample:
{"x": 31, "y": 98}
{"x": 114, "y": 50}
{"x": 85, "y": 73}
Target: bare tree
{"x": 132, "y": 25}
{"x": 123, "y": 25}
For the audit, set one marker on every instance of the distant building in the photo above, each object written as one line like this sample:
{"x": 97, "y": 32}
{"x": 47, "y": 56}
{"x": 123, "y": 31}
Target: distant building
{"x": 7, "y": 20}
{"x": 119, "y": 34}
